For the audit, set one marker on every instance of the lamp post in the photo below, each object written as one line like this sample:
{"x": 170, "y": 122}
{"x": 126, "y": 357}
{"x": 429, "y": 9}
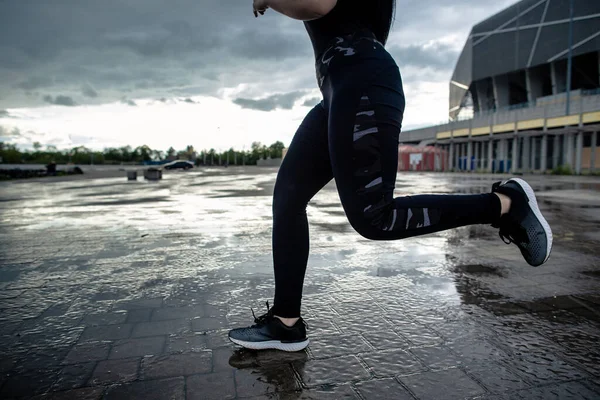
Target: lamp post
{"x": 570, "y": 57}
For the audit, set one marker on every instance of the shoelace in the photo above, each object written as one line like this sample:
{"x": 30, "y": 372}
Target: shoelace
{"x": 513, "y": 233}
{"x": 263, "y": 318}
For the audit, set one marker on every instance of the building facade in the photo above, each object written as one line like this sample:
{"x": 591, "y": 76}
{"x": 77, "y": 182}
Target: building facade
{"x": 525, "y": 93}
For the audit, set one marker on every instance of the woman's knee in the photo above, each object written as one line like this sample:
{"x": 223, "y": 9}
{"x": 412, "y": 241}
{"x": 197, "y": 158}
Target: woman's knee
{"x": 287, "y": 199}
{"x": 376, "y": 224}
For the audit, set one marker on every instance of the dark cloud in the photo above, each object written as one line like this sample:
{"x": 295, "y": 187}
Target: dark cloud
{"x": 4, "y": 114}
{"x": 313, "y": 101}
{"x": 188, "y": 100}
{"x": 60, "y": 100}
{"x": 152, "y": 48}
{"x": 284, "y": 101}
{"x": 88, "y": 91}
{"x": 129, "y": 102}
{"x": 35, "y": 82}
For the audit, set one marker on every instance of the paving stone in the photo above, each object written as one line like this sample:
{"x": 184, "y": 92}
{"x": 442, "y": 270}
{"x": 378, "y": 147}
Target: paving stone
{"x": 106, "y": 332}
{"x": 115, "y": 371}
{"x": 331, "y": 371}
{"x": 73, "y": 376}
{"x": 208, "y": 324}
{"x": 176, "y": 365}
{"x": 160, "y": 389}
{"x": 496, "y": 377}
{"x": 7, "y": 363}
{"x": 544, "y": 369}
{"x": 40, "y": 357}
{"x": 139, "y": 315}
{"x": 27, "y": 383}
{"x": 327, "y": 392}
{"x": 562, "y": 302}
{"x": 358, "y": 323}
{"x": 147, "y": 346}
{"x": 319, "y": 326}
{"x": 446, "y": 384}
{"x": 391, "y": 363}
{"x": 563, "y": 391}
{"x": 216, "y": 339}
{"x": 87, "y": 393}
{"x": 386, "y": 340}
{"x": 221, "y": 359}
{"x": 112, "y": 318}
{"x": 257, "y": 382}
{"x": 215, "y": 386}
{"x": 166, "y": 313}
{"x": 139, "y": 304}
{"x": 524, "y": 343}
{"x": 417, "y": 334}
{"x": 212, "y": 310}
{"x": 87, "y": 352}
{"x": 588, "y": 360}
{"x": 337, "y": 345}
{"x": 9, "y": 327}
{"x": 436, "y": 358}
{"x": 383, "y": 389}
{"x": 170, "y": 327}
{"x": 475, "y": 349}
{"x": 190, "y": 342}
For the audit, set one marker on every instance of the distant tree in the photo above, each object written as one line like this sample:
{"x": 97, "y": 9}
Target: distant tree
{"x": 37, "y": 146}
{"x": 171, "y": 152}
{"x": 157, "y": 155}
{"x": 125, "y": 153}
{"x": 276, "y": 149}
{"x": 144, "y": 152}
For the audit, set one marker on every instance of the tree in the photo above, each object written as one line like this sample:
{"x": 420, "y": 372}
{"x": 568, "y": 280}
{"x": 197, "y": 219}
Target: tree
{"x": 125, "y": 153}
{"x": 171, "y": 152}
{"x": 37, "y": 146}
{"x": 157, "y": 155}
{"x": 276, "y": 149}
{"x": 145, "y": 153}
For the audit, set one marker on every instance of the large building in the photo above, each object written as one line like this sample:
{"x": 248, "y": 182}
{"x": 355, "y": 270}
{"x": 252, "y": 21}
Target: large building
{"x": 525, "y": 93}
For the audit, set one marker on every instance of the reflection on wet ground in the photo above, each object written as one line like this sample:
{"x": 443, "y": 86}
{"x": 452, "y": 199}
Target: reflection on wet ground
{"x": 113, "y": 289}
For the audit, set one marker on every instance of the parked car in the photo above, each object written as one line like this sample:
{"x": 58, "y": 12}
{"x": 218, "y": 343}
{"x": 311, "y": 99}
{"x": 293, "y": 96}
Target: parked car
{"x": 179, "y": 164}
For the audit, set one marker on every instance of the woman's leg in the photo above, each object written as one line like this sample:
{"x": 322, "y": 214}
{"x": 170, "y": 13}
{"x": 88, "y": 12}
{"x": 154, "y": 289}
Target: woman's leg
{"x": 306, "y": 168}
{"x": 364, "y": 128}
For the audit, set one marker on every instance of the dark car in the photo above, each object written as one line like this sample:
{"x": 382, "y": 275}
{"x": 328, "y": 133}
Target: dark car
{"x": 179, "y": 164}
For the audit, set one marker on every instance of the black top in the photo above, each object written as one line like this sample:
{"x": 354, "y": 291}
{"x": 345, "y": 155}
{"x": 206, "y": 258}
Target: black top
{"x": 344, "y": 19}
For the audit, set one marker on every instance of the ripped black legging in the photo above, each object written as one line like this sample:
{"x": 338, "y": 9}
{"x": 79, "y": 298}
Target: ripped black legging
{"x": 352, "y": 136}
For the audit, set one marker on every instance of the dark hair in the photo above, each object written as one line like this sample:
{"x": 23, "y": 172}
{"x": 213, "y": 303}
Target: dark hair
{"x": 380, "y": 14}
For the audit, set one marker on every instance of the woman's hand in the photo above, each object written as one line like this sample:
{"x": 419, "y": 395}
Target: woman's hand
{"x": 259, "y": 6}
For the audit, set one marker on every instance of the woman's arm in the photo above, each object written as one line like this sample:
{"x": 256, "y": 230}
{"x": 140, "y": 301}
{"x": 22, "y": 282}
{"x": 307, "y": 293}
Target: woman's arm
{"x": 304, "y": 10}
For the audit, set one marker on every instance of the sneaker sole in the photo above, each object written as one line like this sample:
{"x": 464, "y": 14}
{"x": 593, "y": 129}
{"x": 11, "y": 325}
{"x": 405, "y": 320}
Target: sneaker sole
{"x": 272, "y": 344}
{"x": 538, "y": 214}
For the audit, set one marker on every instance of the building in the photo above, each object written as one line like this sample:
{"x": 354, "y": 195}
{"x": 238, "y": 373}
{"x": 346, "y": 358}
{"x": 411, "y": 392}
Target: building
{"x": 525, "y": 93}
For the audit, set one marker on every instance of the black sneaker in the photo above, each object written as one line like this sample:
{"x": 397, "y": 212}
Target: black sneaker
{"x": 268, "y": 332}
{"x": 524, "y": 224}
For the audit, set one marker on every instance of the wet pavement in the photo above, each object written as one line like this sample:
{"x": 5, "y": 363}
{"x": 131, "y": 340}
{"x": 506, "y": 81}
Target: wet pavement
{"x": 115, "y": 290}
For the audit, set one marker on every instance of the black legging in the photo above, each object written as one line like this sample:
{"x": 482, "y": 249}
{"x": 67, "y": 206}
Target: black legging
{"x": 352, "y": 136}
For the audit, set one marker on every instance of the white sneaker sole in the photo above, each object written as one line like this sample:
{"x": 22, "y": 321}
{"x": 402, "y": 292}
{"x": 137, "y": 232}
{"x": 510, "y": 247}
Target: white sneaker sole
{"x": 538, "y": 214}
{"x": 272, "y": 344}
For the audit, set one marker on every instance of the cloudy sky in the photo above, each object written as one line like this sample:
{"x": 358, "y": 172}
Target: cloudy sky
{"x": 202, "y": 72}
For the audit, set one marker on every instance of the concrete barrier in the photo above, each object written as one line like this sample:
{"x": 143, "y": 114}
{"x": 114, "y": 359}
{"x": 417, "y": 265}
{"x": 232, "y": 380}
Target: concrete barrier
{"x": 153, "y": 174}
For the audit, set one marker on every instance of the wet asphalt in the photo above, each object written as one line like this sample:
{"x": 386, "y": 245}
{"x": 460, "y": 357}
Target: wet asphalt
{"x": 112, "y": 289}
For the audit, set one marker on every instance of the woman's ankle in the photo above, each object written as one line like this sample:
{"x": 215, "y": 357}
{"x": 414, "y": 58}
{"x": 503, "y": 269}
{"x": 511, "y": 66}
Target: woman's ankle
{"x": 289, "y": 322}
{"x": 505, "y": 203}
